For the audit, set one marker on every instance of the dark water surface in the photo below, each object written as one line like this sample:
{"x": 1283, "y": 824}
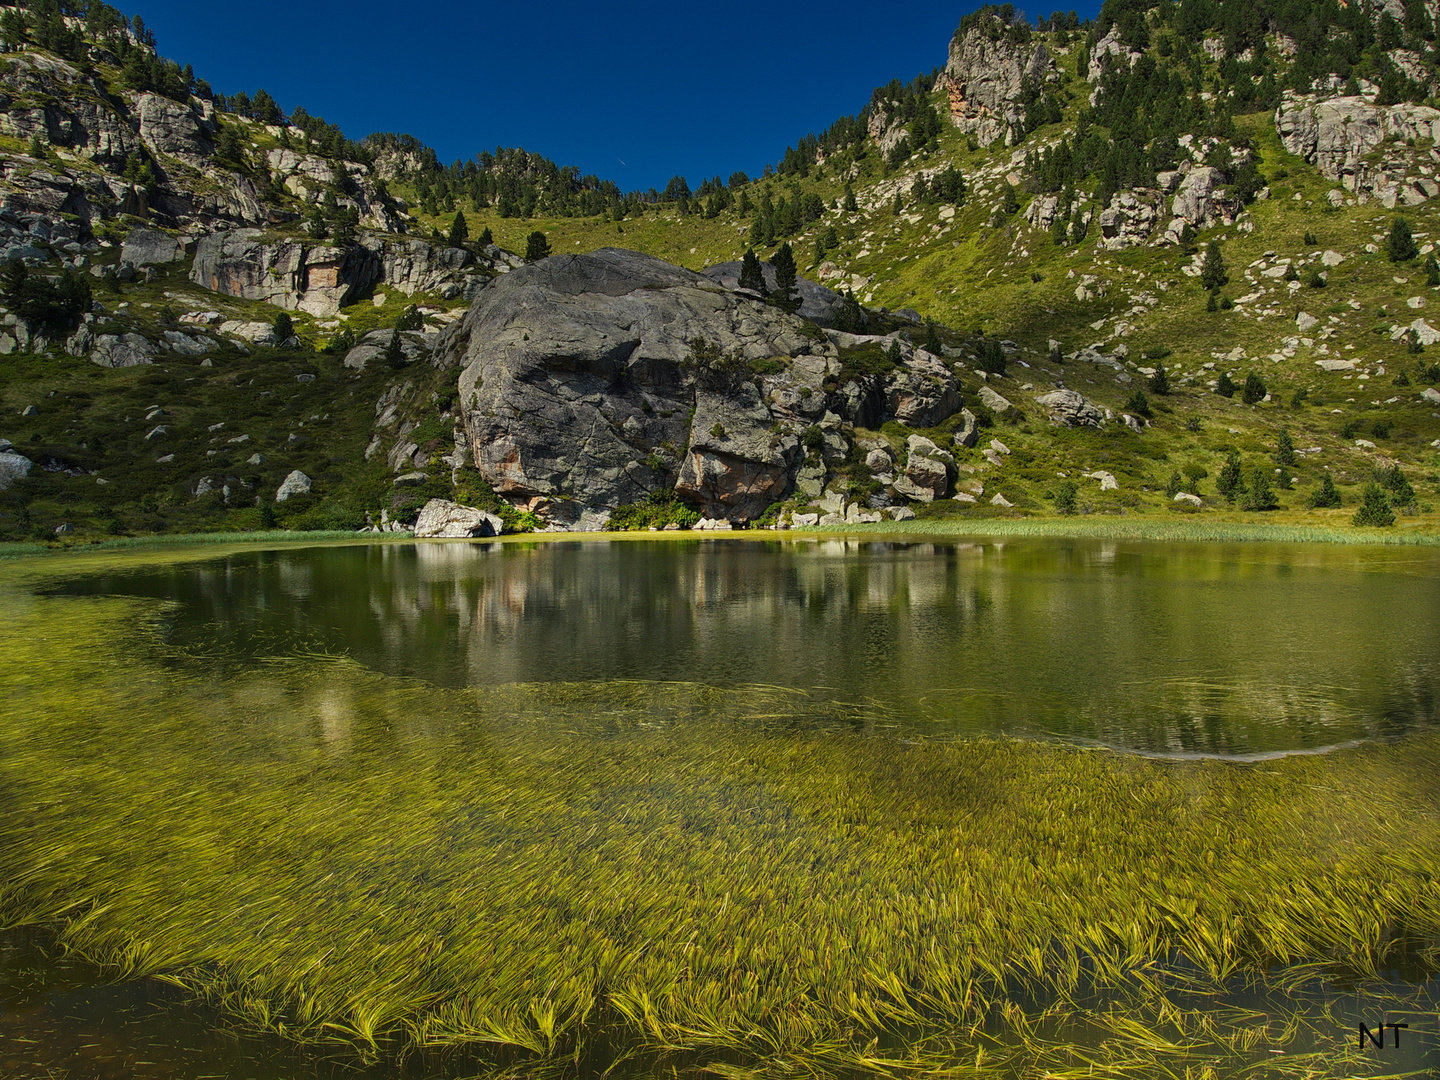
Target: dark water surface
{"x": 1212, "y": 649}
{"x": 1241, "y": 651}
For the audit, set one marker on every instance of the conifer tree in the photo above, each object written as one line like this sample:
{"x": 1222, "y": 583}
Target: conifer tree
{"x": 932, "y": 339}
{"x": 1255, "y": 391}
{"x": 851, "y": 206}
{"x": 786, "y": 295}
{"x": 536, "y": 246}
{"x": 486, "y": 238}
{"x": 1224, "y": 386}
{"x": 1231, "y": 481}
{"x": 1400, "y": 244}
{"x": 1139, "y": 404}
{"x": 1284, "y": 448}
{"x": 1212, "y": 270}
{"x": 459, "y": 230}
{"x": 752, "y": 274}
{"x": 394, "y": 354}
{"x": 1326, "y": 496}
{"x": 283, "y": 328}
{"x": 1159, "y": 383}
{"x": 1260, "y": 496}
{"x": 1374, "y": 508}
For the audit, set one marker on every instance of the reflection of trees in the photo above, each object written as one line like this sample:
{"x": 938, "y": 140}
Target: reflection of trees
{"x": 1182, "y": 649}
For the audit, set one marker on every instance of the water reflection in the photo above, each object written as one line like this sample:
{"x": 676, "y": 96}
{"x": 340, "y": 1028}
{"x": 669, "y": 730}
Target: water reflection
{"x": 1164, "y": 648}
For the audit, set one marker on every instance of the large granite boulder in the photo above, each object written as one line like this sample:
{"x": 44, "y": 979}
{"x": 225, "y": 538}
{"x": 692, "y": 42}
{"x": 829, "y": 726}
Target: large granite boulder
{"x": 122, "y": 350}
{"x": 1069, "y": 408}
{"x": 441, "y": 518}
{"x": 928, "y": 471}
{"x": 149, "y": 247}
{"x": 817, "y": 303}
{"x": 589, "y": 381}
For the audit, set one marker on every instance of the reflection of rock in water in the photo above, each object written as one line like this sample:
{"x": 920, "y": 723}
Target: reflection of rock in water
{"x": 1174, "y": 649}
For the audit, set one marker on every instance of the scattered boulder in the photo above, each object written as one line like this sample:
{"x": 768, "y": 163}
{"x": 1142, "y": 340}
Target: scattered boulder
{"x": 13, "y": 466}
{"x": 440, "y": 518}
{"x": 1186, "y": 497}
{"x": 993, "y": 401}
{"x": 1069, "y": 408}
{"x": 297, "y": 483}
{"x": 122, "y": 350}
{"x": 1107, "y": 480}
{"x": 149, "y": 247}
{"x": 968, "y": 433}
{"x": 1431, "y": 395}
{"x": 927, "y": 471}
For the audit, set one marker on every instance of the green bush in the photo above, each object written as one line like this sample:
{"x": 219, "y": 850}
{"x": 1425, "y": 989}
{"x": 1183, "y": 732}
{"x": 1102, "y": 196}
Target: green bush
{"x": 1254, "y": 391}
{"x": 659, "y": 509}
{"x": 1064, "y": 497}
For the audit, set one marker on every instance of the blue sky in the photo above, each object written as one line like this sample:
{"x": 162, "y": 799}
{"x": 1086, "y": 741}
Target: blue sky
{"x": 636, "y": 93}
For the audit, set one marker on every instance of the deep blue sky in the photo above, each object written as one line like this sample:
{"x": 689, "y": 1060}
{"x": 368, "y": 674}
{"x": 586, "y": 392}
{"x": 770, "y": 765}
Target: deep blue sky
{"x": 696, "y": 89}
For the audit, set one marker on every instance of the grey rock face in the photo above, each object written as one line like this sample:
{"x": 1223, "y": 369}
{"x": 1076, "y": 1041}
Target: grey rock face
{"x": 443, "y": 518}
{"x": 297, "y": 483}
{"x": 582, "y": 387}
{"x": 923, "y": 393}
{"x": 1129, "y": 219}
{"x": 1336, "y": 134}
{"x": 816, "y": 302}
{"x": 122, "y": 350}
{"x": 168, "y": 127}
{"x": 928, "y": 471}
{"x": 1071, "y": 409}
{"x": 147, "y": 247}
{"x": 969, "y": 430}
{"x": 983, "y": 80}
{"x": 1110, "y": 51}
{"x": 287, "y": 273}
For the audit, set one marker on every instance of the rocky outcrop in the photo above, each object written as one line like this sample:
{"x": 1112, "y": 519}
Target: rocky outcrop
{"x": 315, "y": 278}
{"x": 928, "y": 471}
{"x": 1071, "y": 409}
{"x": 1130, "y": 219}
{"x": 817, "y": 303}
{"x": 46, "y": 97}
{"x": 1110, "y": 51}
{"x": 1338, "y": 134}
{"x": 418, "y": 266}
{"x": 589, "y": 381}
{"x": 374, "y": 346}
{"x": 924, "y": 393}
{"x": 147, "y": 247}
{"x": 441, "y": 518}
{"x": 311, "y": 177}
{"x": 983, "y": 78}
{"x": 178, "y": 130}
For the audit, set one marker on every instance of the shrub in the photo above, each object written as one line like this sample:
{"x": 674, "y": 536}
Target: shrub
{"x": 1374, "y": 508}
{"x": 1139, "y": 404}
{"x": 1316, "y": 280}
{"x": 1380, "y": 429}
{"x": 1225, "y": 386}
{"x": 1159, "y": 383}
{"x": 1284, "y": 448}
{"x": 991, "y": 358}
{"x": 1193, "y": 475}
{"x": 659, "y": 509}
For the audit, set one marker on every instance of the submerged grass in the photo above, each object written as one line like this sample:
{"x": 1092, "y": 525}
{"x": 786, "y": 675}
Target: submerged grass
{"x": 562, "y": 876}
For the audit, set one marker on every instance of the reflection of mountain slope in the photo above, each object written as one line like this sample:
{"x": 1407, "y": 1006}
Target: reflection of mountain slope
{"x": 1174, "y": 650}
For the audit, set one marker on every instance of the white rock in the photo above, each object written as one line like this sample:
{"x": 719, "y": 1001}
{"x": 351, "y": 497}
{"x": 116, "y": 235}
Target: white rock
{"x": 1415, "y": 302}
{"x": 297, "y": 483}
{"x": 1431, "y": 395}
{"x": 1305, "y": 321}
{"x": 1107, "y": 480}
{"x": 1185, "y": 496}
{"x": 1000, "y": 500}
{"x": 441, "y": 518}
{"x": 1332, "y": 258}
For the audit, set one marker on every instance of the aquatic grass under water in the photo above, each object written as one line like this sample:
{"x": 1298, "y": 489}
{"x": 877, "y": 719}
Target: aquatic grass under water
{"x": 554, "y": 875}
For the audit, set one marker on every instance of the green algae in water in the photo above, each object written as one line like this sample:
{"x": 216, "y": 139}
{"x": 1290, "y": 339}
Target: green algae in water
{"x": 732, "y": 876}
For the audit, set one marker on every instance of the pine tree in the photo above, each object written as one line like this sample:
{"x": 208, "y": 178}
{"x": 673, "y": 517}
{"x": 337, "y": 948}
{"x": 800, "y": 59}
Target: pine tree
{"x": 1432, "y": 271}
{"x": 1011, "y": 201}
{"x": 1374, "y": 508}
{"x": 1064, "y": 497}
{"x": 37, "y": 148}
{"x": 1327, "y": 496}
{"x": 932, "y": 339}
{"x": 394, "y": 354}
{"x": 752, "y": 274}
{"x": 1212, "y": 270}
{"x": 536, "y": 246}
{"x": 1284, "y": 449}
{"x": 1139, "y": 404}
{"x": 1260, "y": 496}
{"x": 283, "y": 328}
{"x": 1401, "y": 493}
{"x": 851, "y": 206}
{"x": 1159, "y": 383}
{"x": 486, "y": 238}
{"x": 1400, "y": 245}
{"x": 1231, "y": 481}
{"x": 1224, "y": 386}
{"x": 786, "y": 295}
{"x": 1174, "y": 485}
{"x": 1254, "y": 391}
{"x": 459, "y": 230}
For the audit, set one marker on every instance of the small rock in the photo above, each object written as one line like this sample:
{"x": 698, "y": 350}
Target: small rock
{"x": 1000, "y": 500}
{"x": 1107, "y": 480}
{"x": 900, "y": 513}
{"x": 63, "y": 528}
{"x": 30, "y": 410}
{"x": 159, "y": 431}
{"x": 993, "y": 401}
{"x": 804, "y": 521}
{"x": 165, "y": 460}
{"x": 1186, "y": 497}
{"x": 1305, "y": 321}
{"x": 999, "y": 447}
{"x": 441, "y": 518}
{"x": 256, "y": 459}
{"x": 1430, "y": 394}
